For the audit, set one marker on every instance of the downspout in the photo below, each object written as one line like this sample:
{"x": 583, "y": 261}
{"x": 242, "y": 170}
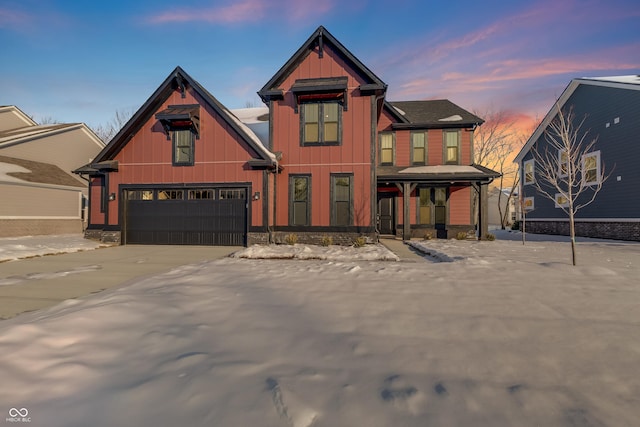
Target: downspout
{"x": 374, "y": 174}
{"x": 275, "y": 198}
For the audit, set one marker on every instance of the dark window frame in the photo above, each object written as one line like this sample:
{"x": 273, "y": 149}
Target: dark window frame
{"x": 393, "y": 148}
{"x": 445, "y": 157}
{"x": 431, "y": 205}
{"x": 333, "y": 206}
{"x": 292, "y": 200}
{"x": 321, "y": 124}
{"x": 175, "y": 146}
{"x": 424, "y": 148}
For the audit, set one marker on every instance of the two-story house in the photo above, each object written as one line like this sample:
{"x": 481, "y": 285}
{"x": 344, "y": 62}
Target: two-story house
{"x": 608, "y": 109}
{"x": 338, "y": 160}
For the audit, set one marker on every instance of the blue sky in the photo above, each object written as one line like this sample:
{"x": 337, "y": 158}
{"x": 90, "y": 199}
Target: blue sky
{"x": 81, "y": 61}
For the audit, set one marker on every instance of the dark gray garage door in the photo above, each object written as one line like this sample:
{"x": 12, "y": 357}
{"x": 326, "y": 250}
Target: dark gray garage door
{"x": 186, "y": 216}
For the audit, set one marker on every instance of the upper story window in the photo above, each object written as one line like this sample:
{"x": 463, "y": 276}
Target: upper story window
{"x": 591, "y": 174}
{"x": 183, "y": 147}
{"x": 386, "y": 148}
{"x": 321, "y": 123}
{"x": 419, "y": 148}
{"x": 182, "y": 125}
{"x": 563, "y": 163}
{"x": 528, "y": 173}
{"x": 451, "y": 147}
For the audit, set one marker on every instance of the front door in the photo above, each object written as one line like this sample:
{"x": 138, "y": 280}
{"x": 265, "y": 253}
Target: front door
{"x": 386, "y": 213}
{"x": 441, "y": 213}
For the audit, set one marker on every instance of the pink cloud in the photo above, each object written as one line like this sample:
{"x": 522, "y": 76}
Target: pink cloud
{"x": 246, "y": 11}
{"x": 13, "y": 18}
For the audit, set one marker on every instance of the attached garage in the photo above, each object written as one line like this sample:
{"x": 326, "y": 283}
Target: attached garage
{"x": 167, "y": 215}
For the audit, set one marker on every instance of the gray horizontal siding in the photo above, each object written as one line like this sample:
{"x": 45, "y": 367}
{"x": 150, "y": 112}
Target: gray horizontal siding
{"x": 619, "y": 146}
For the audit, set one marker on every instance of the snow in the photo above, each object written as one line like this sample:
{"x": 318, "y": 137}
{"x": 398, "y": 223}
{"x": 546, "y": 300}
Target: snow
{"x": 307, "y": 252}
{"x": 454, "y": 118}
{"x": 441, "y": 169}
{"x": 12, "y": 248}
{"x": 7, "y": 168}
{"x": 502, "y": 334}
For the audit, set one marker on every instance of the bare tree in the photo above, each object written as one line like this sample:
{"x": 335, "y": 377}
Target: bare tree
{"x": 493, "y": 144}
{"x": 565, "y": 171}
{"x": 108, "y": 130}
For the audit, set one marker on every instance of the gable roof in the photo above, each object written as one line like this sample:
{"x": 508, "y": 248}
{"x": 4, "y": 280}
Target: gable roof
{"x": 628, "y": 82}
{"x": 21, "y": 170}
{"x": 320, "y": 38}
{"x": 437, "y": 113}
{"x": 180, "y": 79}
{"x": 24, "y": 134}
{"x": 11, "y": 117}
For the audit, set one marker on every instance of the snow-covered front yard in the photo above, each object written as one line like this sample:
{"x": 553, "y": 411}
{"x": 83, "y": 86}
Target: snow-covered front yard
{"x": 499, "y": 334}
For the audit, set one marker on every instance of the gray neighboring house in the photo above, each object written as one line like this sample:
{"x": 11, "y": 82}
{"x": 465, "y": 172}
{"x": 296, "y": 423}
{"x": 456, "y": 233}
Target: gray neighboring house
{"x": 611, "y": 106}
{"x": 511, "y": 208}
{"x": 39, "y": 192}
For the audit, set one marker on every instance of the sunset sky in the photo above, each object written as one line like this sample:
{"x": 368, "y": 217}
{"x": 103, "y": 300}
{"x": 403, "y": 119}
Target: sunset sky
{"x": 77, "y": 61}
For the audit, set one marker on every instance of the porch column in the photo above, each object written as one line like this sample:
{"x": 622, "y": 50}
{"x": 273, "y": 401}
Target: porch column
{"x": 406, "y": 222}
{"x": 483, "y": 212}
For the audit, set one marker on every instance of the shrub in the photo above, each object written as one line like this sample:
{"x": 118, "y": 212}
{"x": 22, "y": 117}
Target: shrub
{"x": 490, "y": 237}
{"x": 359, "y": 242}
{"x": 291, "y": 239}
{"x": 326, "y": 241}
{"x": 462, "y": 235}
{"x": 515, "y": 225}
{"x": 428, "y": 235}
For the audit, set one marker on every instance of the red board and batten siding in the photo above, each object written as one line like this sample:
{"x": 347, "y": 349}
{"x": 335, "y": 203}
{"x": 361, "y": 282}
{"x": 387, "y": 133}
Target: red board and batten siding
{"x": 95, "y": 192}
{"x": 220, "y": 157}
{"x": 459, "y": 205}
{"x": 352, "y": 156}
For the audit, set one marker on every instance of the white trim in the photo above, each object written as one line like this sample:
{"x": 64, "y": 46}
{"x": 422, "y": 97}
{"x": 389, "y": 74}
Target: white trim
{"x": 533, "y": 172}
{"x": 566, "y": 172}
{"x": 564, "y": 97}
{"x": 38, "y": 217}
{"x": 560, "y": 205}
{"x": 240, "y": 162}
{"x": 585, "y": 219}
{"x": 598, "y": 174}
{"x": 44, "y": 185}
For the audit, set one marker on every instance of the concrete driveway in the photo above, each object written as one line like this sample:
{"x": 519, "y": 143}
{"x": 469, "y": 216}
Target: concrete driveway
{"x": 36, "y": 283}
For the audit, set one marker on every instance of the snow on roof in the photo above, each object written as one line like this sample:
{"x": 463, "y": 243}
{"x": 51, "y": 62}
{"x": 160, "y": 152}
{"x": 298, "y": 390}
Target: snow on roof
{"x": 441, "y": 169}
{"x": 7, "y": 168}
{"x": 251, "y": 115}
{"x": 629, "y": 79}
{"x": 31, "y": 131}
{"x": 454, "y": 118}
{"x": 250, "y": 132}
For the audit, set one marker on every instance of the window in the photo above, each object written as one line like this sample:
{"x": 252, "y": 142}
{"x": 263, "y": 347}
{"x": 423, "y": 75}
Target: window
{"x": 424, "y": 206}
{"x": 201, "y": 194}
{"x": 563, "y": 163}
{"x": 386, "y": 149}
{"x": 321, "y": 123}
{"x": 299, "y": 200}
{"x": 419, "y": 148}
{"x": 561, "y": 200}
{"x": 183, "y": 147}
{"x": 452, "y": 147}
{"x": 529, "y": 177}
{"x": 341, "y": 199}
{"x": 528, "y": 204}
{"x": 591, "y": 168}
{"x": 140, "y": 194}
{"x": 233, "y": 193}
{"x": 170, "y": 194}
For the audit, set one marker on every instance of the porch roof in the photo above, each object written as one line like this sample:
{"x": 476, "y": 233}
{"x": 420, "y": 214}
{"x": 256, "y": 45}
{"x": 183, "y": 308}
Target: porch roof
{"x": 437, "y": 174}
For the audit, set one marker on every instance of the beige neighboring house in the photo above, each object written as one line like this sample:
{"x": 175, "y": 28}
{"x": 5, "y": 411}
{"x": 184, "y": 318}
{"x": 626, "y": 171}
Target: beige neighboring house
{"x": 38, "y": 192}
{"x": 511, "y": 208}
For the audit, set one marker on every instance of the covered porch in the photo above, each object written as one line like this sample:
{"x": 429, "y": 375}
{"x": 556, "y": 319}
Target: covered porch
{"x": 433, "y": 201}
